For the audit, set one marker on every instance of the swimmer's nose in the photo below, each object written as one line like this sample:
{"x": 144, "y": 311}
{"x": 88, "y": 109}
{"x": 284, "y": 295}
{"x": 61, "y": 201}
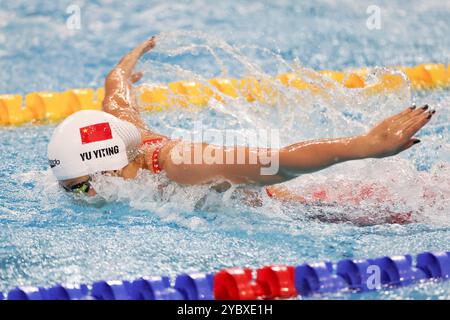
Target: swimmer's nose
{"x": 91, "y": 192}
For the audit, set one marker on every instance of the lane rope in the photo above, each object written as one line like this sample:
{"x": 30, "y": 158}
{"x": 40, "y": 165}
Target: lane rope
{"x": 268, "y": 282}
{"x": 44, "y": 107}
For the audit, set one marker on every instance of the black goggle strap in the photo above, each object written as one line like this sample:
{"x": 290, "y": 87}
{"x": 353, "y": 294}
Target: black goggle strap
{"x": 81, "y": 187}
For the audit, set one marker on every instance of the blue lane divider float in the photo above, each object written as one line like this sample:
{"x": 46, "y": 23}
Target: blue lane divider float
{"x": 348, "y": 275}
{"x": 195, "y": 286}
{"x": 70, "y": 292}
{"x": 318, "y": 278}
{"x": 111, "y": 290}
{"x": 435, "y": 265}
{"x": 394, "y": 271}
{"x": 154, "y": 288}
{"x": 57, "y": 292}
{"x": 398, "y": 270}
{"x": 26, "y": 293}
{"x": 354, "y": 272}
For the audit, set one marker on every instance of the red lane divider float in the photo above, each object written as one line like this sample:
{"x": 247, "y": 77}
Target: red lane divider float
{"x": 269, "y": 282}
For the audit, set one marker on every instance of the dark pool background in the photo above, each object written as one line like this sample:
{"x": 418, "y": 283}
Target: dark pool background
{"x": 47, "y": 237}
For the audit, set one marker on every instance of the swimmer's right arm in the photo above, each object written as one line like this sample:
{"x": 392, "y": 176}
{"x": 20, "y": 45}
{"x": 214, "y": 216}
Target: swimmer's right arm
{"x": 120, "y": 99}
{"x": 388, "y": 138}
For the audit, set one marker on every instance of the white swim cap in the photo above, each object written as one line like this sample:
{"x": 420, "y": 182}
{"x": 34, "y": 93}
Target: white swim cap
{"x": 91, "y": 141}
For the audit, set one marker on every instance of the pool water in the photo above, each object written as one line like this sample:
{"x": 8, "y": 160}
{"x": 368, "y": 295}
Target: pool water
{"x": 47, "y": 237}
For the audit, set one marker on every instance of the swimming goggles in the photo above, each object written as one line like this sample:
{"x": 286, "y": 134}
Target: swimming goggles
{"x": 82, "y": 187}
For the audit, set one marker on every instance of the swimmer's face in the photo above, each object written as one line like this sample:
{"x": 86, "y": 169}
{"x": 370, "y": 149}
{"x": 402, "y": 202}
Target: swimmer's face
{"x": 80, "y": 185}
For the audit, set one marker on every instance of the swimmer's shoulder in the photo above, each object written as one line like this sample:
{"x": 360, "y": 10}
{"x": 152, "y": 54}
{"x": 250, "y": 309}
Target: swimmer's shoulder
{"x": 150, "y": 135}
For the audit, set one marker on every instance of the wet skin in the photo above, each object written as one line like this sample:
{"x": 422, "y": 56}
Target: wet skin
{"x": 390, "y": 137}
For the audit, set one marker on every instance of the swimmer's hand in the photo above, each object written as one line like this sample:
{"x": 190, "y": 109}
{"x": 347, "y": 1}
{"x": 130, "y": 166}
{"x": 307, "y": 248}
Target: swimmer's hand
{"x": 139, "y": 51}
{"x": 146, "y": 46}
{"x": 394, "y": 134}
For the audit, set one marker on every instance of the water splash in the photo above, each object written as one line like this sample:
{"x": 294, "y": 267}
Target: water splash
{"x": 47, "y": 237}
{"x": 396, "y": 185}
{"x": 401, "y": 186}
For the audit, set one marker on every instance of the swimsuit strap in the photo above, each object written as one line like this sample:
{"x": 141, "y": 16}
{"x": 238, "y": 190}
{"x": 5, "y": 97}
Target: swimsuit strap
{"x": 156, "y": 168}
{"x": 269, "y": 193}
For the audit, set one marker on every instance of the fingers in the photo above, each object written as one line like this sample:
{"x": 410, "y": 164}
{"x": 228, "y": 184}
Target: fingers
{"x": 149, "y": 44}
{"x": 416, "y": 121}
{"x": 145, "y": 46}
{"x": 415, "y": 113}
{"x": 415, "y": 124}
{"x": 135, "y": 77}
{"x": 403, "y": 113}
{"x": 409, "y": 144}
{"x": 411, "y": 118}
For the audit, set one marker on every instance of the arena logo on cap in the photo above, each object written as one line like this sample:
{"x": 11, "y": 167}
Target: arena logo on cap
{"x": 95, "y": 132}
{"x": 53, "y": 163}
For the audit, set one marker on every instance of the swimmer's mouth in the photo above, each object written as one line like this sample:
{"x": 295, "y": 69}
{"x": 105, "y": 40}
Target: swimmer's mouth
{"x": 79, "y": 188}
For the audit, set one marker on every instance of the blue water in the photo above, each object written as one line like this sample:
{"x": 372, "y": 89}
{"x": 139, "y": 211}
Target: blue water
{"x": 47, "y": 237}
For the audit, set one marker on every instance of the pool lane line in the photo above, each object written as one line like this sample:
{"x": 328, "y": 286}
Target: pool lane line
{"x": 44, "y": 107}
{"x": 269, "y": 282}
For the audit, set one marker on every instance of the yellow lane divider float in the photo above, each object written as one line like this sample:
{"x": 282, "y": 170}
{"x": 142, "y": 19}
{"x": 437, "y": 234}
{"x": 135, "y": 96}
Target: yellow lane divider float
{"x": 54, "y": 106}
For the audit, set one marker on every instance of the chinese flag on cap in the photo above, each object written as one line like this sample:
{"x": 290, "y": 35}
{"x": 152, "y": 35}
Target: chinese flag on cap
{"x": 95, "y": 132}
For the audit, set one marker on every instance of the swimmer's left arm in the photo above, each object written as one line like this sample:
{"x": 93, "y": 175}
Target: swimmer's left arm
{"x": 194, "y": 163}
{"x": 388, "y": 138}
{"x": 198, "y": 163}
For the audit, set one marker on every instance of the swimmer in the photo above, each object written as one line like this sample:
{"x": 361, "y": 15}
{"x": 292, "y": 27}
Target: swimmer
{"x": 116, "y": 141}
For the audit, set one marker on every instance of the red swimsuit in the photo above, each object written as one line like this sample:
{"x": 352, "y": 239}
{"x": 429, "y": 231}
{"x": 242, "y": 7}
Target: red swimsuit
{"x": 154, "y": 161}
{"x": 156, "y": 168}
